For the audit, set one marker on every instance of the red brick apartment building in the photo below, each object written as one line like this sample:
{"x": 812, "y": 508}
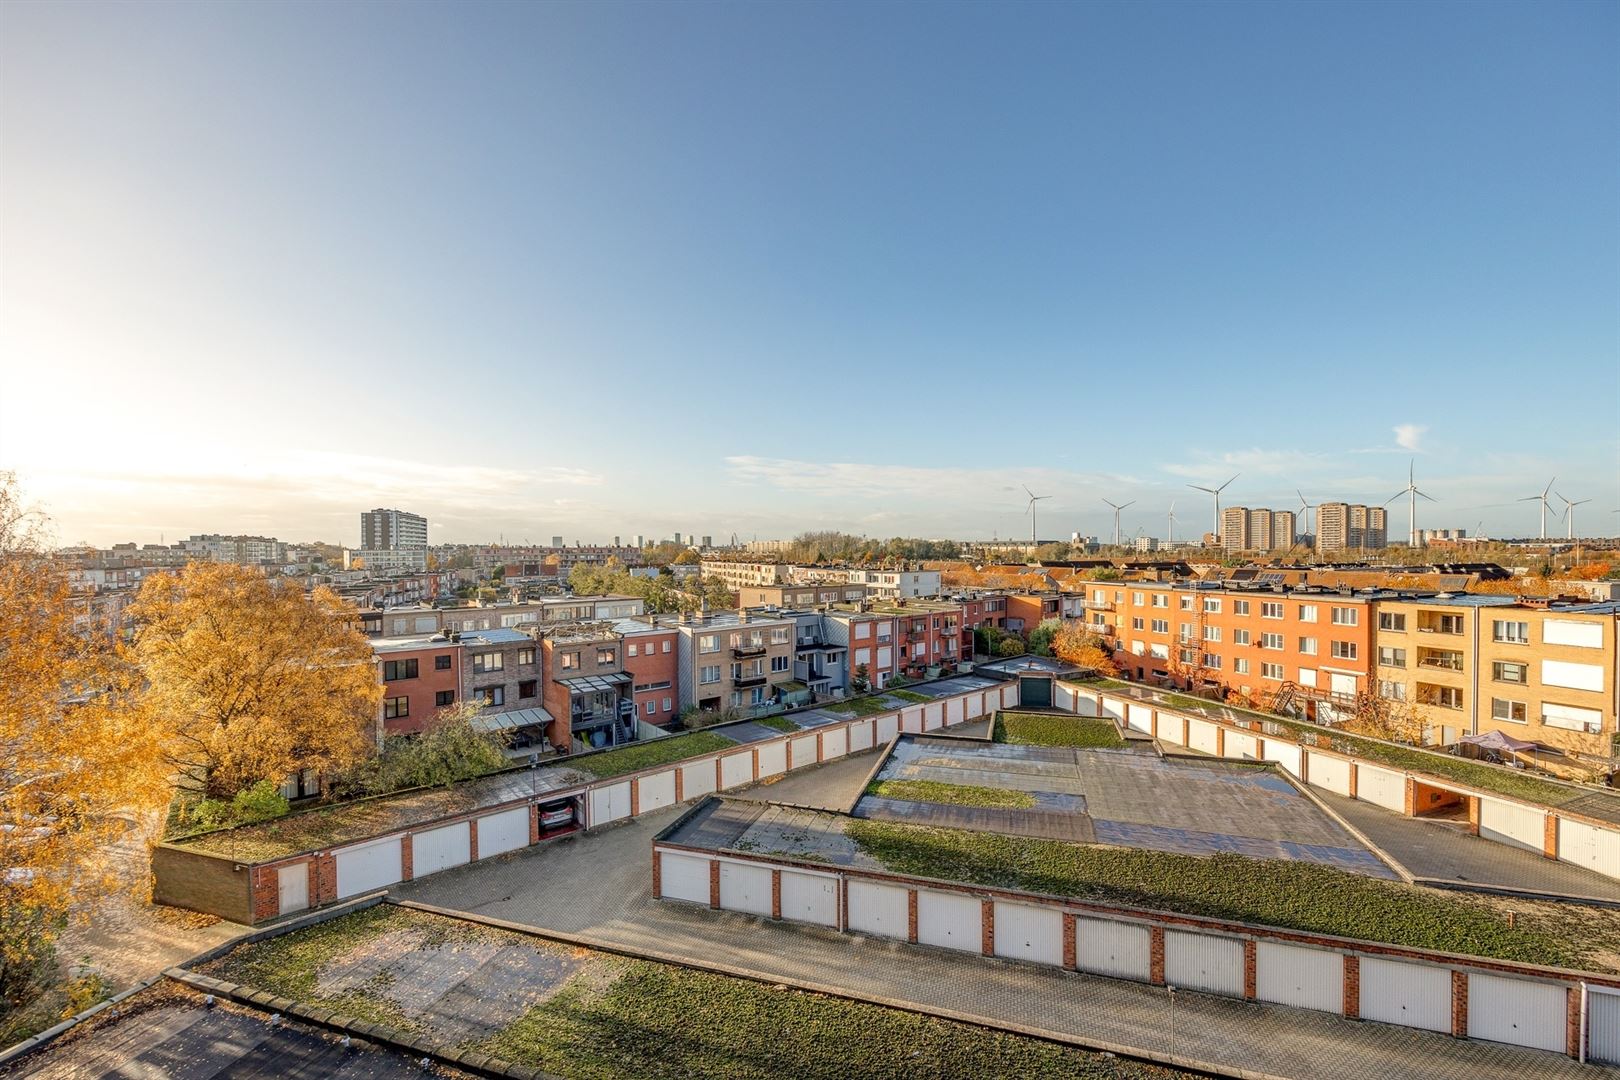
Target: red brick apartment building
{"x": 651, "y": 659}
{"x": 420, "y": 675}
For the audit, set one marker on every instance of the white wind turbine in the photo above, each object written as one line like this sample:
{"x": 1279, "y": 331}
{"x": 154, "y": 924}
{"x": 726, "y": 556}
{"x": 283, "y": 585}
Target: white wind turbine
{"x": 1033, "y": 499}
{"x": 1216, "y": 491}
{"x": 1411, "y": 492}
{"x": 1170, "y": 525}
{"x": 1542, "y": 499}
{"x": 1307, "y": 508}
{"x": 1569, "y": 514}
{"x": 1117, "y": 508}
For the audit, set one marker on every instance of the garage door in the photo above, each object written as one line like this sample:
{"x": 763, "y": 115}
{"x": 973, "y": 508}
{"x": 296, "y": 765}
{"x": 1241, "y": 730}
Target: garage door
{"x": 1085, "y": 704}
{"x": 878, "y": 909}
{"x": 950, "y": 920}
{"x": 911, "y": 720}
{"x": 1400, "y": 993}
{"x": 1603, "y": 1025}
{"x": 1202, "y": 735}
{"x": 1241, "y": 745}
{"x": 1113, "y": 707}
{"x": 888, "y": 727}
{"x": 365, "y": 867}
{"x": 1140, "y": 718}
{"x": 803, "y": 752}
{"x": 772, "y": 758}
{"x": 440, "y": 849}
{"x": 737, "y": 769}
{"x": 1332, "y": 773}
{"x": 609, "y": 803}
{"x": 860, "y": 736}
{"x": 1516, "y": 1011}
{"x": 953, "y": 710}
{"x": 292, "y": 888}
{"x": 1105, "y": 947}
{"x": 1035, "y": 692}
{"x": 1381, "y": 788}
{"x": 1026, "y": 932}
{"x": 1286, "y": 755}
{"x": 811, "y": 898}
{"x": 503, "y": 832}
{"x": 745, "y": 887}
{"x": 975, "y": 706}
{"x": 1510, "y": 823}
{"x": 1172, "y": 728}
{"x": 1203, "y": 962}
{"x": 834, "y": 743}
{"x": 933, "y": 716}
{"x": 697, "y": 778}
{"x": 1588, "y": 846}
{"x": 657, "y": 791}
{"x": 1294, "y": 975}
{"x": 683, "y": 877}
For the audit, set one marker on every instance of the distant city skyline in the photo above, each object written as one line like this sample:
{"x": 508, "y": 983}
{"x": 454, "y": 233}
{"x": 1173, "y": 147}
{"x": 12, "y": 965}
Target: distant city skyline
{"x": 859, "y": 268}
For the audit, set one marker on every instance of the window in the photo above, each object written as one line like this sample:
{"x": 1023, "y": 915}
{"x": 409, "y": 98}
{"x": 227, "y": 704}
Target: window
{"x": 1271, "y": 610}
{"x": 441, "y": 662}
{"x": 395, "y": 707}
{"x": 1307, "y": 613}
{"x": 652, "y": 707}
{"x": 1307, "y": 645}
{"x": 1271, "y": 671}
{"x": 1240, "y": 607}
{"x": 1240, "y": 666}
{"x": 1572, "y": 718}
{"x": 494, "y": 695}
{"x": 863, "y": 630}
{"x": 1212, "y": 604}
{"x": 1212, "y": 633}
{"x": 1445, "y": 697}
{"x": 666, "y": 645}
{"x": 1447, "y": 624}
{"x": 442, "y": 698}
{"x": 528, "y": 688}
{"x": 606, "y": 657}
{"x": 1511, "y": 712}
{"x": 394, "y": 670}
{"x": 1138, "y": 599}
{"x": 709, "y": 643}
{"x": 1388, "y": 657}
{"x": 525, "y": 656}
{"x": 1212, "y": 661}
{"x": 487, "y": 661}
{"x": 1515, "y": 633}
{"x": 1161, "y": 600}
{"x": 1185, "y": 603}
{"x": 1346, "y": 616}
{"x": 1271, "y": 641}
{"x": 667, "y": 705}
{"x": 779, "y": 635}
{"x": 570, "y": 661}
{"x": 1392, "y": 620}
{"x": 1345, "y": 650}
{"x": 1240, "y": 637}
{"x": 1185, "y": 631}
{"x": 780, "y": 663}
{"x": 1161, "y": 626}
{"x": 630, "y": 649}
{"x": 710, "y": 674}
{"x": 1391, "y": 691}
{"x": 1138, "y": 624}
{"x": 1503, "y": 671}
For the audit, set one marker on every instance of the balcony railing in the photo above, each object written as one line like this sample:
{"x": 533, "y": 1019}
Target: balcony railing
{"x": 1099, "y": 605}
{"x": 743, "y": 682}
{"x": 1439, "y": 630}
{"x": 1444, "y": 663}
{"x": 741, "y": 651}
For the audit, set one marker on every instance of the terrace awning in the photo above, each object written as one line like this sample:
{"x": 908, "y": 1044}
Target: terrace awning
{"x": 592, "y": 684}
{"x": 1495, "y": 740}
{"x": 511, "y": 721}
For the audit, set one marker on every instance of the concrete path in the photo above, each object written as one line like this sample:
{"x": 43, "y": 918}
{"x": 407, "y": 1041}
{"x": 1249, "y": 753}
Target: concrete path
{"x": 599, "y": 886}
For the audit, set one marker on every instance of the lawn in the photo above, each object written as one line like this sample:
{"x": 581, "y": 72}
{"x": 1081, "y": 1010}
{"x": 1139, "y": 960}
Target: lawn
{"x": 1289, "y": 895}
{"x": 778, "y": 723}
{"x": 647, "y": 755}
{"x": 861, "y": 706}
{"x": 932, "y": 791}
{"x": 616, "y": 1018}
{"x": 1047, "y": 729}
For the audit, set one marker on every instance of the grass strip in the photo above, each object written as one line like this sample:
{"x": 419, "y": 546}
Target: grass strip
{"x": 861, "y": 706}
{"x": 1047, "y": 729}
{"x": 647, "y": 755}
{"x": 778, "y": 723}
{"x": 932, "y": 791}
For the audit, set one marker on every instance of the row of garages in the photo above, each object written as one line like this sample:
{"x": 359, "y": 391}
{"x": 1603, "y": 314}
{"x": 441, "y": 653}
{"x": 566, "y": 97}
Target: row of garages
{"x": 1537, "y": 1008}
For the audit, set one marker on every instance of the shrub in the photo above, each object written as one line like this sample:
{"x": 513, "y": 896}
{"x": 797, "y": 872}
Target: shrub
{"x": 261, "y": 802}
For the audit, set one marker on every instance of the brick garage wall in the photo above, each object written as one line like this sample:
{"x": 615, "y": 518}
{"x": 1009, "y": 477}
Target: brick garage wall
{"x": 207, "y": 883}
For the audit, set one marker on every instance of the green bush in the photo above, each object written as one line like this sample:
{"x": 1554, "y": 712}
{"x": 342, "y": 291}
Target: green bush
{"x": 451, "y": 749}
{"x": 261, "y": 802}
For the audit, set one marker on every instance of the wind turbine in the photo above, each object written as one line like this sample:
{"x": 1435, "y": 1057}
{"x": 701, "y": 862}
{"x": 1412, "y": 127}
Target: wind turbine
{"x": 1117, "y": 508}
{"x": 1542, "y": 499}
{"x": 1170, "y": 526}
{"x": 1307, "y": 508}
{"x": 1411, "y": 492}
{"x": 1569, "y": 515}
{"x": 1217, "y": 493}
{"x": 1033, "y": 499}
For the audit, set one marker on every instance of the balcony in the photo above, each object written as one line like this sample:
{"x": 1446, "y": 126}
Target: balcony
{"x": 1438, "y": 697}
{"x": 1447, "y": 662}
{"x": 743, "y": 682}
{"x": 1099, "y": 605}
{"x": 1440, "y": 628}
{"x": 742, "y": 652}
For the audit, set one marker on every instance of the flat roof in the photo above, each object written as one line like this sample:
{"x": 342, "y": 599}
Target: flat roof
{"x": 1029, "y": 665}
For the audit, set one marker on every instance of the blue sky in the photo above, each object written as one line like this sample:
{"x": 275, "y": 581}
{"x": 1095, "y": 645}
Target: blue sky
{"x": 607, "y": 269}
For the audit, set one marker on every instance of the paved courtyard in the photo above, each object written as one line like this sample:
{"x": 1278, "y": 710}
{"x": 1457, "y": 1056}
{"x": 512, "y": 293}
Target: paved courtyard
{"x": 598, "y": 886}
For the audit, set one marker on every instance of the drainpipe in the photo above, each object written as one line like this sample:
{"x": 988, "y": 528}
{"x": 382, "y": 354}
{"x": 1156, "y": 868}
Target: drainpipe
{"x": 1473, "y": 696}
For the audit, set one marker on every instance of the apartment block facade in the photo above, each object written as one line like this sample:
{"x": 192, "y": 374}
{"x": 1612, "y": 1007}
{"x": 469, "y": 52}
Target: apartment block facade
{"x": 501, "y": 669}
{"x": 1257, "y": 529}
{"x": 737, "y": 573}
{"x": 586, "y": 689}
{"x": 420, "y": 675}
{"x": 800, "y": 595}
{"x": 652, "y": 660}
{"x": 1351, "y": 527}
{"x": 733, "y": 659}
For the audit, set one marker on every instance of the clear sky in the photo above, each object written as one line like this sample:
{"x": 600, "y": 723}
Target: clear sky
{"x": 608, "y": 269}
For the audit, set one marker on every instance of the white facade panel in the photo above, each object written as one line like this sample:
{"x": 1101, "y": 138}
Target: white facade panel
{"x": 773, "y": 758}
{"x": 950, "y": 920}
{"x": 1295, "y": 975}
{"x": 1516, "y": 1011}
{"x": 1284, "y": 754}
{"x": 884, "y": 910}
{"x": 811, "y": 898}
{"x": 1202, "y": 735}
{"x": 745, "y": 887}
{"x": 888, "y": 726}
{"x": 1588, "y": 846}
{"x": 1582, "y": 635}
{"x": 1603, "y": 1026}
{"x": 860, "y": 736}
{"x": 1120, "y": 949}
{"x": 697, "y": 778}
{"x": 365, "y": 867}
{"x": 1381, "y": 787}
{"x": 1329, "y": 772}
{"x": 609, "y": 803}
{"x": 834, "y": 743}
{"x": 292, "y": 888}
{"x": 656, "y": 791}
{"x": 683, "y": 877}
{"x": 1140, "y": 718}
{"x": 1203, "y": 962}
{"x": 1572, "y": 676}
{"x": 503, "y": 832}
{"x": 1397, "y": 992}
{"x": 1510, "y": 823}
{"x": 802, "y": 752}
{"x": 1113, "y": 707}
{"x": 736, "y": 769}
{"x": 1241, "y": 745}
{"x": 440, "y": 849}
{"x": 1027, "y": 932}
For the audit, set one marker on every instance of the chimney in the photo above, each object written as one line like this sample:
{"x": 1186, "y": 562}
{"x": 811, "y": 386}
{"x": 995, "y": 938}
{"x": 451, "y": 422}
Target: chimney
{"x": 742, "y": 616}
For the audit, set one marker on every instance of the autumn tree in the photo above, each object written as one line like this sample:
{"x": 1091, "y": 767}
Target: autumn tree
{"x": 251, "y": 680}
{"x": 1041, "y": 638}
{"x": 1074, "y": 644}
{"x": 76, "y": 763}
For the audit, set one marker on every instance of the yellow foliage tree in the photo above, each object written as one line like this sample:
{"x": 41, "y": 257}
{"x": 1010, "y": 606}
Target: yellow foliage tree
{"x": 76, "y": 762}
{"x": 252, "y": 680}
{"x": 1076, "y": 645}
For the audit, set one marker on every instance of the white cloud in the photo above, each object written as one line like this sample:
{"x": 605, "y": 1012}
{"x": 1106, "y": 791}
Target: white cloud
{"x": 1409, "y": 436}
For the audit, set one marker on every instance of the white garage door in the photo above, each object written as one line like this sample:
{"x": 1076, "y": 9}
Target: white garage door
{"x": 1400, "y": 993}
{"x": 1141, "y": 718}
{"x": 1106, "y": 947}
{"x": 811, "y": 898}
{"x": 503, "y": 832}
{"x": 879, "y": 909}
{"x": 737, "y": 769}
{"x": 834, "y": 743}
{"x": 1295, "y": 975}
{"x": 888, "y": 726}
{"x": 1009, "y": 695}
{"x": 1203, "y": 962}
{"x": 803, "y": 752}
{"x": 860, "y": 736}
{"x": 440, "y": 849}
{"x": 657, "y": 791}
{"x": 745, "y": 887}
{"x": 1202, "y": 735}
{"x": 911, "y": 720}
{"x": 1085, "y": 704}
{"x": 1588, "y": 846}
{"x": 1172, "y": 728}
{"x": 1026, "y": 932}
{"x": 1286, "y": 755}
{"x": 292, "y": 888}
{"x": 1241, "y": 745}
{"x": 1332, "y": 773}
{"x": 697, "y": 778}
{"x": 950, "y": 920}
{"x": 953, "y": 710}
{"x": 975, "y": 706}
{"x": 773, "y": 758}
{"x": 609, "y": 803}
{"x": 683, "y": 877}
{"x": 365, "y": 867}
{"x": 1510, "y": 823}
{"x": 1113, "y": 707}
{"x": 1381, "y": 787}
{"x": 933, "y": 716}
{"x": 1063, "y": 697}
{"x": 1603, "y": 1025}
{"x": 1516, "y": 1011}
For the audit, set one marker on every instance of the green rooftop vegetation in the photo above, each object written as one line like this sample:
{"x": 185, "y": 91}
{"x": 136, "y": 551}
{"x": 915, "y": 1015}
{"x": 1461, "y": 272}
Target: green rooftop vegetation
{"x": 778, "y": 723}
{"x": 911, "y": 696}
{"x": 932, "y": 791}
{"x": 862, "y": 706}
{"x": 651, "y": 754}
{"x": 1050, "y": 729}
{"x": 1289, "y": 895}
